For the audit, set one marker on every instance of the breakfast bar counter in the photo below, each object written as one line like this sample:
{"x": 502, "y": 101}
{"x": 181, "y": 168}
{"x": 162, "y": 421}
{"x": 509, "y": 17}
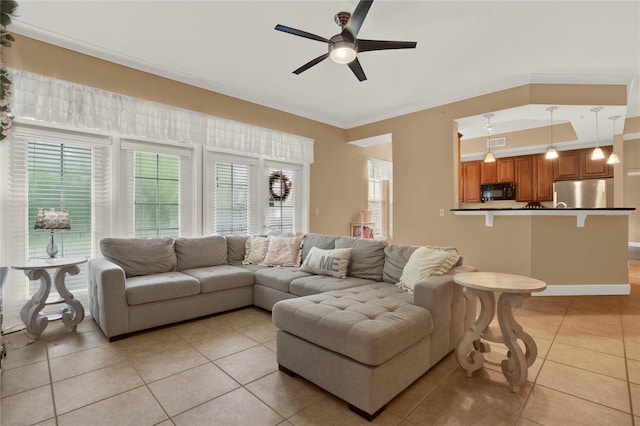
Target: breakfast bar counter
{"x": 576, "y": 251}
{"x": 580, "y": 213}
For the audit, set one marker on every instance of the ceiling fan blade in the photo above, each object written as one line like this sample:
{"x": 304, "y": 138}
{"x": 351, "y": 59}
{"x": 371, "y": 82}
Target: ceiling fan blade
{"x": 300, "y": 33}
{"x": 369, "y": 45}
{"x": 311, "y": 63}
{"x": 357, "y": 69}
{"x": 357, "y": 17}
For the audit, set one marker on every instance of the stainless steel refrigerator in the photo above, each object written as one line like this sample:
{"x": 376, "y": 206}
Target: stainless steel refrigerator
{"x": 586, "y": 193}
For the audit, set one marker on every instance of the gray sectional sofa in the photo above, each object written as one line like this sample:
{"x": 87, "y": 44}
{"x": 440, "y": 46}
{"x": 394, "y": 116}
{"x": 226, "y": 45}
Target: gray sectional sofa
{"x": 375, "y": 337}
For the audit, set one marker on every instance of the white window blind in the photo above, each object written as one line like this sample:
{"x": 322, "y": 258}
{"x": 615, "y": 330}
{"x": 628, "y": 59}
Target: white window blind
{"x": 230, "y": 203}
{"x": 376, "y": 205}
{"x": 232, "y": 199}
{"x": 157, "y": 195}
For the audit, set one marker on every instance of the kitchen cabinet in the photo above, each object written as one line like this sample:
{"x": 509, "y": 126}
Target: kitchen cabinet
{"x": 577, "y": 164}
{"x": 568, "y": 165}
{"x": 524, "y": 178}
{"x": 596, "y": 168}
{"x": 542, "y": 178}
{"x": 471, "y": 171}
{"x": 500, "y": 171}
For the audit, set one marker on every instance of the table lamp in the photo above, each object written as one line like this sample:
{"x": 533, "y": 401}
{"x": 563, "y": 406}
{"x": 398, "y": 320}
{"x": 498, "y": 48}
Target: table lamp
{"x": 52, "y": 219}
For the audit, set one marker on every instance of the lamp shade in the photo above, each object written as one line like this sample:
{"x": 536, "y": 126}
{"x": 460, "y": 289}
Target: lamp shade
{"x": 597, "y": 154}
{"x": 52, "y": 219}
{"x": 489, "y": 157}
{"x": 551, "y": 154}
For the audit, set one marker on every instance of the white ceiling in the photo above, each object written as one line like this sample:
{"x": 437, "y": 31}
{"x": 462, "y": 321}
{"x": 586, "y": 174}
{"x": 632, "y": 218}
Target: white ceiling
{"x": 464, "y": 49}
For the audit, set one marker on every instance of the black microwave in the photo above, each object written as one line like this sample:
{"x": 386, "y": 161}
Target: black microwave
{"x": 498, "y": 191}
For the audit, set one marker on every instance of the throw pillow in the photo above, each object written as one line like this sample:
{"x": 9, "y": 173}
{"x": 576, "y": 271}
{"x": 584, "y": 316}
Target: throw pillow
{"x": 255, "y": 249}
{"x": 425, "y": 262}
{"x": 334, "y": 263}
{"x": 284, "y": 251}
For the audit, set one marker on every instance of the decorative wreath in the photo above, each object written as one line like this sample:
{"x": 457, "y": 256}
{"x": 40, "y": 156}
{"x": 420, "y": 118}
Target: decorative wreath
{"x": 282, "y": 185}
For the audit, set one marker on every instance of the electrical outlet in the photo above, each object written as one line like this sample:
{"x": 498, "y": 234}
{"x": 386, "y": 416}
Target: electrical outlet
{"x": 317, "y": 211}
{"x": 441, "y": 212}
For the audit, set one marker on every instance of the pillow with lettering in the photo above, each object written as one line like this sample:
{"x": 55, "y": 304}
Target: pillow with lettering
{"x": 334, "y": 263}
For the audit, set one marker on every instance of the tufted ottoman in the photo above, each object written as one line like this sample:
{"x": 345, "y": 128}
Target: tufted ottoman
{"x": 364, "y": 344}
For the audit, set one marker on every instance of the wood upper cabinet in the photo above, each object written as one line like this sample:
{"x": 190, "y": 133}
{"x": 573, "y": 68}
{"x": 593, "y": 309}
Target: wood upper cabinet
{"x": 568, "y": 165}
{"x": 506, "y": 170}
{"x": 543, "y": 170}
{"x": 524, "y": 178}
{"x": 577, "y": 164}
{"x": 471, "y": 171}
{"x": 596, "y": 168}
{"x": 500, "y": 171}
{"x": 488, "y": 172}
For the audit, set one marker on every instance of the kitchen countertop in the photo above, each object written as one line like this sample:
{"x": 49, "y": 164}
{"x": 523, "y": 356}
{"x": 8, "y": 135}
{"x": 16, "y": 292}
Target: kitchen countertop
{"x": 580, "y": 213}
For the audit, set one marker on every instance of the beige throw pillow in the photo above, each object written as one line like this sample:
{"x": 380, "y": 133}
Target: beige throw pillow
{"x": 334, "y": 263}
{"x": 254, "y": 250}
{"x": 425, "y": 262}
{"x": 284, "y": 251}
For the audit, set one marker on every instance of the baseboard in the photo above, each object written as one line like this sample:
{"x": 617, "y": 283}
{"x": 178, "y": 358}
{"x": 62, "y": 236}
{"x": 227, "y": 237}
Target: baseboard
{"x": 586, "y": 290}
{"x": 633, "y": 244}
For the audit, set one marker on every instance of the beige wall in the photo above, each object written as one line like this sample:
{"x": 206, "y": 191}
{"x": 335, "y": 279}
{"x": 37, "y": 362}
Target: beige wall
{"x": 423, "y": 149}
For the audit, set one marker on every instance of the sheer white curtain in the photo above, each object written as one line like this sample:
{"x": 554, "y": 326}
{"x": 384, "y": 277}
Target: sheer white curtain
{"x": 380, "y": 169}
{"x": 50, "y": 100}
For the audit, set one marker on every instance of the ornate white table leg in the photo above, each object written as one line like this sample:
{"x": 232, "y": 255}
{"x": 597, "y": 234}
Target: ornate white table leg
{"x": 30, "y": 312}
{"x": 516, "y": 366}
{"x": 469, "y": 354}
{"x": 74, "y": 314}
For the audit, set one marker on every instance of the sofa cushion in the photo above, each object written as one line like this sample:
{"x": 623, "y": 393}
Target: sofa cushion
{"x": 367, "y": 257}
{"x": 325, "y": 242}
{"x": 425, "y": 262}
{"x": 198, "y": 252}
{"x": 395, "y": 257}
{"x": 369, "y": 324}
{"x": 140, "y": 256}
{"x": 235, "y": 248}
{"x": 278, "y": 278}
{"x": 284, "y": 251}
{"x": 221, "y": 277}
{"x": 314, "y": 284}
{"x": 254, "y": 250}
{"x": 334, "y": 263}
{"x": 158, "y": 287}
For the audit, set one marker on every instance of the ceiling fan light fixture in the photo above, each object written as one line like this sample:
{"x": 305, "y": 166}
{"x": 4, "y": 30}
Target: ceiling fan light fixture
{"x": 342, "y": 52}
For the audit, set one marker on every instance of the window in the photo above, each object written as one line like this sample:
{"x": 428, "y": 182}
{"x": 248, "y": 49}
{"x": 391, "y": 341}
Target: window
{"x": 232, "y": 199}
{"x": 281, "y": 201}
{"x": 59, "y": 176}
{"x": 157, "y": 195}
{"x": 380, "y": 196}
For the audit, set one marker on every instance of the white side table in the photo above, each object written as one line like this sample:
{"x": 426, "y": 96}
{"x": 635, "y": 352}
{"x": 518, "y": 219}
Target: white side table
{"x": 514, "y": 289}
{"x": 36, "y": 269}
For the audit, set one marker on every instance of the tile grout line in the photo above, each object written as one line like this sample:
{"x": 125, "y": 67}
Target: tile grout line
{"x": 53, "y": 396}
{"x": 544, "y": 360}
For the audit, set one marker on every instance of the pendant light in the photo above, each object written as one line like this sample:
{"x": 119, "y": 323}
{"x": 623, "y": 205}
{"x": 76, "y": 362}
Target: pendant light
{"x": 597, "y": 153}
{"x": 489, "y": 157}
{"x": 551, "y": 154}
{"x": 613, "y": 158}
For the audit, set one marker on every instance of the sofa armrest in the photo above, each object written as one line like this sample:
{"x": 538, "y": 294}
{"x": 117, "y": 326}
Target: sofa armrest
{"x": 452, "y": 312}
{"x": 107, "y": 297}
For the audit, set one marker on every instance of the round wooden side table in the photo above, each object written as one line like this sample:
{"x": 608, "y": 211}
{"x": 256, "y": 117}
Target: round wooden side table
{"x": 36, "y": 269}
{"x": 513, "y": 289}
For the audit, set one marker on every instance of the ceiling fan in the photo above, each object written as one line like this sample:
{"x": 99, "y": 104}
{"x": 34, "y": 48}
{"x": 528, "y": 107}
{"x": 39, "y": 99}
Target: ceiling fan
{"x": 345, "y": 46}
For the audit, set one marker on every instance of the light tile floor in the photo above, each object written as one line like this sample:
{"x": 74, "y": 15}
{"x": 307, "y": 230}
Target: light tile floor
{"x": 222, "y": 370}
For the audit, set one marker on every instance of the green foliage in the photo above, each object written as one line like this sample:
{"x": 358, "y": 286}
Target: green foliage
{"x": 7, "y": 10}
